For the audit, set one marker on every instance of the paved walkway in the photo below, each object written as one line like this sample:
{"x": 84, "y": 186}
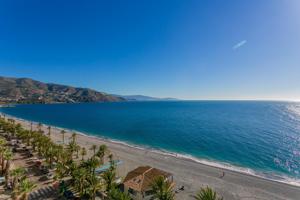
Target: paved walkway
{"x": 43, "y": 193}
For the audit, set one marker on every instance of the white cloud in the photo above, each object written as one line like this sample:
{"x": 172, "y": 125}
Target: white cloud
{"x": 239, "y": 44}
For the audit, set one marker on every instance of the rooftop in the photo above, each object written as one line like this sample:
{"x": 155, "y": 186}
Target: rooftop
{"x": 141, "y": 178}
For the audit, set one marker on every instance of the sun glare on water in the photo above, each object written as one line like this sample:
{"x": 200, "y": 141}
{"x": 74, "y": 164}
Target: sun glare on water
{"x": 294, "y": 109}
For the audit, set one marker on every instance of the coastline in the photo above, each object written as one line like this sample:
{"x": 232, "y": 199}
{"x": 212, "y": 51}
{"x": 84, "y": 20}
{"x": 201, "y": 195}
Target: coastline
{"x": 191, "y": 172}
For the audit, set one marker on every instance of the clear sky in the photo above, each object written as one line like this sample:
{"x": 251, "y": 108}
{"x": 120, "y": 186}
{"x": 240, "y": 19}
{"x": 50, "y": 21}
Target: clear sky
{"x": 185, "y": 49}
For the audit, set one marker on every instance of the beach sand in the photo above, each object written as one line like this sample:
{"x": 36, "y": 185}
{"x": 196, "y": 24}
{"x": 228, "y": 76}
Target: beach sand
{"x": 188, "y": 173}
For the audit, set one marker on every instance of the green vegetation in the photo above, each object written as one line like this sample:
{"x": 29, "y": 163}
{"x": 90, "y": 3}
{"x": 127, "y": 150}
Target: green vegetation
{"x": 162, "y": 189}
{"x": 79, "y": 173}
{"x": 17, "y": 174}
{"x": 207, "y": 194}
{"x": 116, "y": 194}
{"x": 24, "y": 188}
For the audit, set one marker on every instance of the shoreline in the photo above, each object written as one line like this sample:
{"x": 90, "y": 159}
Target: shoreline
{"x": 207, "y": 162}
{"x": 160, "y": 155}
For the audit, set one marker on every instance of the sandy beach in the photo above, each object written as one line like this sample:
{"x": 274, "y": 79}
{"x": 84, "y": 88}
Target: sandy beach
{"x": 188, "y": 173}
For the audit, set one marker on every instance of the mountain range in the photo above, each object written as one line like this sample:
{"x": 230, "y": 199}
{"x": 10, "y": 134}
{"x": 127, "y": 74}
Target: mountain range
{"x": 26, "y": 90}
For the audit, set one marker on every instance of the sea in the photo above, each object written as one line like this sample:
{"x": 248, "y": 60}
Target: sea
{"x": 260, "y": 138}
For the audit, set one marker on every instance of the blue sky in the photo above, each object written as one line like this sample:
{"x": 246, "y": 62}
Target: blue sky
{"x": 185, "y": 49}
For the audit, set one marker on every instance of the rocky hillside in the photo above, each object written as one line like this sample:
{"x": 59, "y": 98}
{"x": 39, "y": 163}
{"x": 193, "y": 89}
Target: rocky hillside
{"x": 25, "y": 90}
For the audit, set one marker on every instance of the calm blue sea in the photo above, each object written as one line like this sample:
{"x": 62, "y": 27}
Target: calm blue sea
{"x": 258, "y": 137}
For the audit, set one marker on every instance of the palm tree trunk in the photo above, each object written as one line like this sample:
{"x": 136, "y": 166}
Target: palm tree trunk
{"x": 25, "y": 196}
{"x": 51, "y": 161}
{"x": 7, "y": 166}
{"x": 1, "y": 161}
{"x": 6, "y": 178}
{"x": 2, "y": 166}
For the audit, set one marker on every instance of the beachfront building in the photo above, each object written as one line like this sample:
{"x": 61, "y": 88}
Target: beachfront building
{"x": 138, "y": 182}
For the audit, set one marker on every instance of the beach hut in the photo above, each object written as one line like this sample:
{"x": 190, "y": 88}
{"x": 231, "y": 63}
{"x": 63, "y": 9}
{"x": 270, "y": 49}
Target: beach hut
{"x": 138, "y": 182}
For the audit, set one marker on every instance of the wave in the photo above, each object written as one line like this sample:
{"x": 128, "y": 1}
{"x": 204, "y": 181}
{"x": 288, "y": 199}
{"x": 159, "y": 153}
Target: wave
{"x": 271, "y": 176}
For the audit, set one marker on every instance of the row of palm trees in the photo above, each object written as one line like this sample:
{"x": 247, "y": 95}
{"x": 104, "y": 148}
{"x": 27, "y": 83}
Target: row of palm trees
{"x": 80, "y": 171}
{"x": 65, "y": 158}
{"x": 21, "y": 185}
{"x": 5, "y": 159}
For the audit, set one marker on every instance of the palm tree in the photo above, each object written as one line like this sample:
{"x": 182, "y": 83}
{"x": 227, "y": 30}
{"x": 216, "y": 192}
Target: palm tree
{"x": 112, "y": 162}
{"x": 101, "y": 152}
{"x": 59, "y": 150}
{"x": 94, "y": 186}
{"x": 7, "y": 157}
{"x": 18, "y": 129}
{"x": 109, "y": 178}
{"x": 93, "y": 148}
{"x": 60, "y": 171}
{"x": 50, "y": 153}
{"x": 162, "y": 189}
{"x": 13, "y": 128}
{"x": 72, "y": 148}
{"x": 30, "y": 126}
{"x": 83, "y": 153}
{"x": 116, "y": 194}
{"x": 93, "y": 163}
{"x": 27, "y": 135}
{"x": 63, "y": 135}
{"x": 24, "y": 189}
{"x": 49, "y": 131}
{"x": 35, "y": 141}
{"x": 43, "y": 144}
{"x": 63, "y": 169}
{"x": 9, "y": 128}
{"x": 79, "y": 176}
{"x": 207, "y": 194}
{"x": 2, "y": 150}
{"x": 73, "y": 137}
{"x": 39, "y": 126}
{"x": 77, "y": 149}
{"x": 17, "y": 174}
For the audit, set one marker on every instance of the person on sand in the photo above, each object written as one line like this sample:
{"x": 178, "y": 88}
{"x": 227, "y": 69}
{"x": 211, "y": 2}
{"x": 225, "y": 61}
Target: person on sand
{"x": 223, "y": 174}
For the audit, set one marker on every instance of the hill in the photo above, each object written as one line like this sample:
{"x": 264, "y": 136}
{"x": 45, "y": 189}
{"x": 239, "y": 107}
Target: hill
{"x": 144, "y": 98}
{"x": 25, "y": 90}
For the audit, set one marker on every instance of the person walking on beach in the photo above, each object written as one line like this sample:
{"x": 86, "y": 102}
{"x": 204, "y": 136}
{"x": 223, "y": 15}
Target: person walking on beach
{"x": 223, "y": 174}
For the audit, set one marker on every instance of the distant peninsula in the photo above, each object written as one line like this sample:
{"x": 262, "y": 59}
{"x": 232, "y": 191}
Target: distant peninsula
{"x": 144, "y": 98}
{"x": 26, "y": 90}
